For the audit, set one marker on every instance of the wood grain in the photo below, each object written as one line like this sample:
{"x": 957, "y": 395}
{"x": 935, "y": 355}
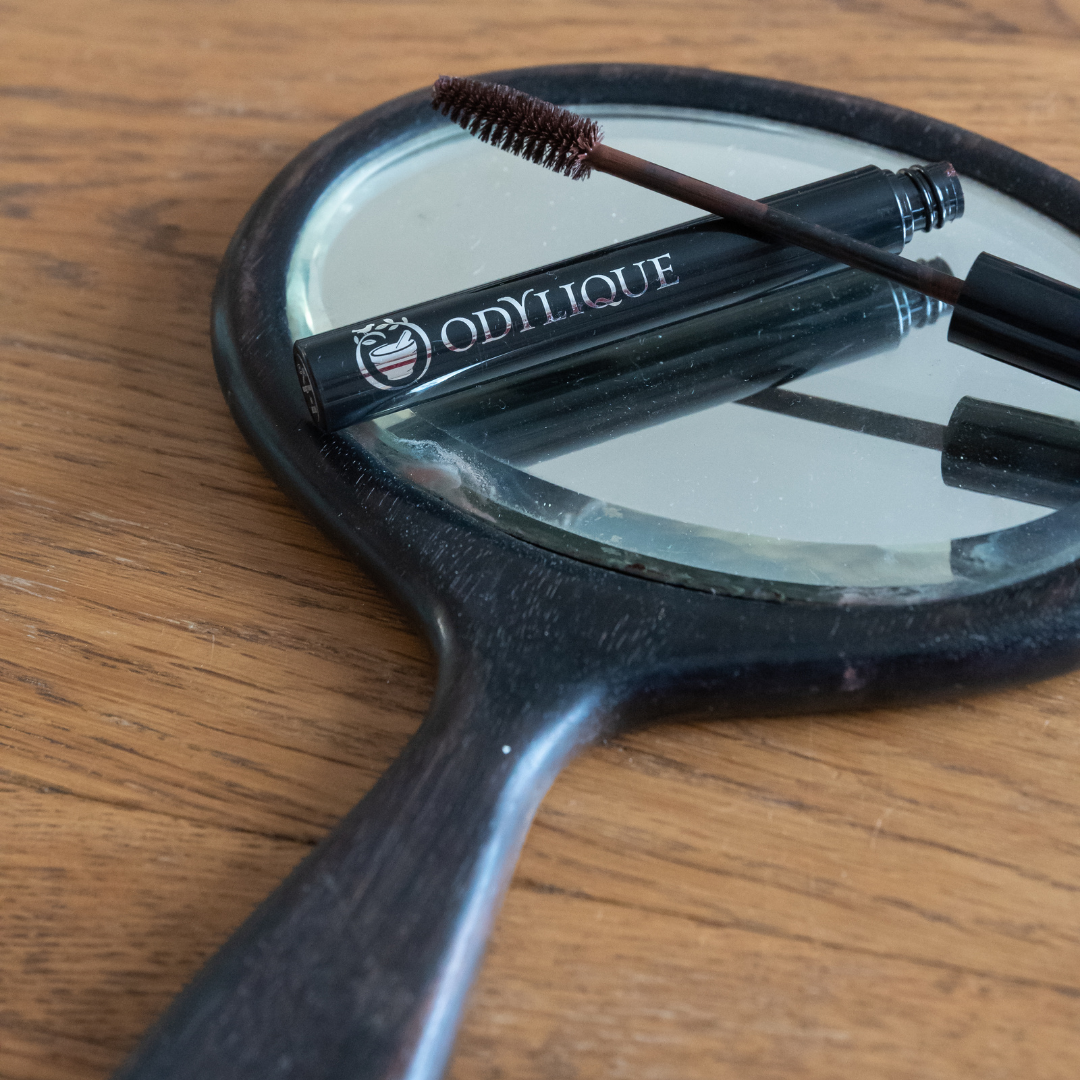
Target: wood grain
{"x": 195, "y": 685}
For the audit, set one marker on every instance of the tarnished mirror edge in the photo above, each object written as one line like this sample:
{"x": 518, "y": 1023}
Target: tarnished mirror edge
{"x": 510, "y": 498}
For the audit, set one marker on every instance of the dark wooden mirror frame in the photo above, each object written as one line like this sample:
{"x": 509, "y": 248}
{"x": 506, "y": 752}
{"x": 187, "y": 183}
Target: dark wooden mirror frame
{"x": 357, "y": 965}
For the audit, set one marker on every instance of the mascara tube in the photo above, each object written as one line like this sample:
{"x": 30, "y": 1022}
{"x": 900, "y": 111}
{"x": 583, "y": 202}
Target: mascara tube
{"x": 721, "y": 356}
{"x": 402, "y": 358}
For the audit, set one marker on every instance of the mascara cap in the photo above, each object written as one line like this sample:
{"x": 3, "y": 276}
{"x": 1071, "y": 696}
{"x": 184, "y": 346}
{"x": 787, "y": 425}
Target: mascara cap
{"x": 1021, "y": 317}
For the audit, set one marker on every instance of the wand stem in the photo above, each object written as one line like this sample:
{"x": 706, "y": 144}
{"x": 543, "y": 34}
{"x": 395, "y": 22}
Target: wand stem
{"x": 773, "y": 224}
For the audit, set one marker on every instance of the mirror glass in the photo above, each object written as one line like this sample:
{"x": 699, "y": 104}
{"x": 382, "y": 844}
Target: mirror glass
{"x": 833, "y": 488}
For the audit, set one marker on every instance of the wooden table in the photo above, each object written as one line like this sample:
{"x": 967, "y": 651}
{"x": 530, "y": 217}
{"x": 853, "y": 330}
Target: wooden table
{"x": 195, "y": 685}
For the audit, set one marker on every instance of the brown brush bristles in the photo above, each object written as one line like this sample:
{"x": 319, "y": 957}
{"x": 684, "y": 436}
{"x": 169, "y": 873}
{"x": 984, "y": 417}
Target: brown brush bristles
{"x": 533, "y": 129}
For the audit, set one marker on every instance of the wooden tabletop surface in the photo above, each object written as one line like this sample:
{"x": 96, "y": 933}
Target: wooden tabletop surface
{"x": 195, "y": 685}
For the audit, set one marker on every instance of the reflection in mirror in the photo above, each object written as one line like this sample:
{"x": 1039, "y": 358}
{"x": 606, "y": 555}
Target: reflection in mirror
{"x": 890, "y": 467}
{"x": 683, "y": 367}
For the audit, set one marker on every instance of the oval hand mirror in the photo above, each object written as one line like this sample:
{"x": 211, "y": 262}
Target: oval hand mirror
{"x": 837, "y": 542}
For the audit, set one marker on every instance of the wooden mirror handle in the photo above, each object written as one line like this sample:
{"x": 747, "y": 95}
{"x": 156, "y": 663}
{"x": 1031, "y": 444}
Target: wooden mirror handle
{"x": 357, "y": 966}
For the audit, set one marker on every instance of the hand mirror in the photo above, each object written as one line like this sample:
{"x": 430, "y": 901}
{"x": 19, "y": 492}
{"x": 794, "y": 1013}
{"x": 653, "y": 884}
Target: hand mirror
{"x": 823, "y": 550}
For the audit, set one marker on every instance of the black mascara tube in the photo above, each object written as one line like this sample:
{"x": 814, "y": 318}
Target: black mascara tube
{"x": 684, "y": 367}
{"x": 400, "y": 359}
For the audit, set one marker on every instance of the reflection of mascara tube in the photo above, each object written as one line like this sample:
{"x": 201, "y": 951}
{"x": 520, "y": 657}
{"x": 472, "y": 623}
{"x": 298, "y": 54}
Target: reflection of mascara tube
{"x": 721, "y": 356}
{"x": 402, "y": 358}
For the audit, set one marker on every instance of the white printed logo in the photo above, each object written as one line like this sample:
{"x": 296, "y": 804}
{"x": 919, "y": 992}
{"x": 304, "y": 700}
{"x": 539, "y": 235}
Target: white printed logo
{"x": 392, "y": 353}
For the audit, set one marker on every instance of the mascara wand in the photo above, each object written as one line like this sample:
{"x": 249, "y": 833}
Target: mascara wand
{"x": 1002, "y": 310}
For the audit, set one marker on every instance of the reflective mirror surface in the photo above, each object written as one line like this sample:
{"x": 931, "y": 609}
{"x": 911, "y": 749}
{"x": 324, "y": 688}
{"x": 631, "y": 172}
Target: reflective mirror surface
{"x": 830, "y": 489}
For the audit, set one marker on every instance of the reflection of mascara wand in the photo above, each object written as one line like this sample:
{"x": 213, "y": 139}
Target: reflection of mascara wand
{"x": 987, "y": 447}
{"x": 1003, "y": 310}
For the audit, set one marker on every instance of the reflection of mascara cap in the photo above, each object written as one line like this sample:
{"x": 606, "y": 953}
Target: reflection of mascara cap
{"x": 1012, "y": 453}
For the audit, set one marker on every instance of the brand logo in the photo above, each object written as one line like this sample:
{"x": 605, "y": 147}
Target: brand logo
{"x": 600, "y": 292}
{"x": 392, "y": 353}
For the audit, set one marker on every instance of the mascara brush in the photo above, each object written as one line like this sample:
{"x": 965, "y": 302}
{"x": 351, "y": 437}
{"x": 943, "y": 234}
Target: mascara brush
{"x": 1001, "y": 309}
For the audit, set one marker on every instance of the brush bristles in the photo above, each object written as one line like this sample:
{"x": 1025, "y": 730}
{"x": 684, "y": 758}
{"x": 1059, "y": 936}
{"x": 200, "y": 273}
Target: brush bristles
{"x": 533, "y": 129}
